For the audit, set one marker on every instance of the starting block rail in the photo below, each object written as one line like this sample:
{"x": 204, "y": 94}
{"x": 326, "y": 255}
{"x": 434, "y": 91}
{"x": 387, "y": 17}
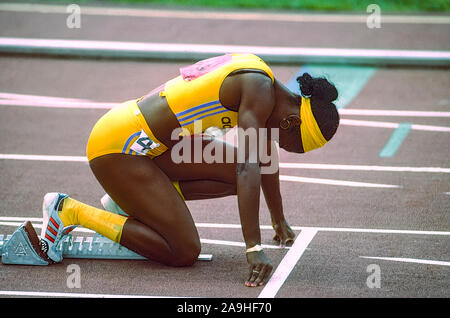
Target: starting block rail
{"x": 17, "y": 249}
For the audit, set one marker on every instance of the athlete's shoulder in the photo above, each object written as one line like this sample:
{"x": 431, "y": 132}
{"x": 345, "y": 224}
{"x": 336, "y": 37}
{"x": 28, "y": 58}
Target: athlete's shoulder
{"x": 257, "y": 85}
{"x": 257, "y": 96}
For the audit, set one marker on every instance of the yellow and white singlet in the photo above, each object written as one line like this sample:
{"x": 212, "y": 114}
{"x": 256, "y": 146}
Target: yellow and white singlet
{"x": 192, "y": 96}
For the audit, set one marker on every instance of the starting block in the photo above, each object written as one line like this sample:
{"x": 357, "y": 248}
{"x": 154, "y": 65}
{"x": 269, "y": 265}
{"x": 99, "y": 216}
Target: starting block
{"x": 23, "y": 247}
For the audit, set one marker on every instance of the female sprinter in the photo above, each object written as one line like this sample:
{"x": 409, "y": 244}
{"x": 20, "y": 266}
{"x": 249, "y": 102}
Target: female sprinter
{"x": 129, "y": 152}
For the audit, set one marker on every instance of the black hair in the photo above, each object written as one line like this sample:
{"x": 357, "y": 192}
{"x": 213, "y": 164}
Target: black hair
{"x": 322, "y": 93}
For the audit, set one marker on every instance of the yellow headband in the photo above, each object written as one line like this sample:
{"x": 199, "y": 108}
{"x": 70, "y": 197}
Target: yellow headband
{"x": 312, "y": 137}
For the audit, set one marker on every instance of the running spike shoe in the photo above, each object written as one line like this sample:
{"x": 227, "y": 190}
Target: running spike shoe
{"x": 53, "y": 230}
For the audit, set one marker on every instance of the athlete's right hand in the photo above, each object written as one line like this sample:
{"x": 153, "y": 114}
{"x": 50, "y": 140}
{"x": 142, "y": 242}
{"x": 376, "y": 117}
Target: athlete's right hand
{"x": 260, "y": 269}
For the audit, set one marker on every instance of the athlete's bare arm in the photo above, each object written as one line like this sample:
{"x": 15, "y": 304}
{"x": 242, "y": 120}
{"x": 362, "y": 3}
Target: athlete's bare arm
{"x": 257, "y": 101}
{"x": 270, "y": 184}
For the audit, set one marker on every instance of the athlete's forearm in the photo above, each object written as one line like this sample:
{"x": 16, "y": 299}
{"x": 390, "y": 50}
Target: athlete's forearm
{"x": 248, "y": 191}
{"x": 270, "y": 184}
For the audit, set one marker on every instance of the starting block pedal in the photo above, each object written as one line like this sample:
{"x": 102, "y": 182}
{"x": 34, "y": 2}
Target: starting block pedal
{"x": 23, "y": 247}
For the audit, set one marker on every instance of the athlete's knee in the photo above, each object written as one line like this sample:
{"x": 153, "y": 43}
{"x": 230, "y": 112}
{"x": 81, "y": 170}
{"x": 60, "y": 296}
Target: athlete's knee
{"x": 187, "y": 255}
{"x": 188, "y": 259}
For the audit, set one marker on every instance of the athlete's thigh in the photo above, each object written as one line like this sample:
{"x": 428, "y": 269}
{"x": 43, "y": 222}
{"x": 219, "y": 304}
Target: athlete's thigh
{"x": 218, "y": 161}
{"x": 141, "y": 189}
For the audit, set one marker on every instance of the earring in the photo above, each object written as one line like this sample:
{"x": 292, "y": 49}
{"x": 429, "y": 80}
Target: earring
{"x": 285, "y": 124}
{"x": 294, "y": 120}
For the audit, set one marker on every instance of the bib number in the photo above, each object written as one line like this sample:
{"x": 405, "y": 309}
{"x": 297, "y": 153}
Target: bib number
{"x": 143, "y": 144}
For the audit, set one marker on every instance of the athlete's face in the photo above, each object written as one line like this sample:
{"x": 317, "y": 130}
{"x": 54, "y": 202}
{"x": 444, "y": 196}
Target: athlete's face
{"x": 288, "y": 120}
{"x": 290, "y": 140}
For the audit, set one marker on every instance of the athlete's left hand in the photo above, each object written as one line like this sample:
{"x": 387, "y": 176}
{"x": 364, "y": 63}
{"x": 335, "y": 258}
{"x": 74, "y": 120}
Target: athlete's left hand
{"x": 260, "y": 269}
{"x": 283, "y": 233}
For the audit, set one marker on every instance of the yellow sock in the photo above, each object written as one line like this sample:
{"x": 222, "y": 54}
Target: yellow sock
{"x": 176, "y": 184}
{"x": 103, "y": 222}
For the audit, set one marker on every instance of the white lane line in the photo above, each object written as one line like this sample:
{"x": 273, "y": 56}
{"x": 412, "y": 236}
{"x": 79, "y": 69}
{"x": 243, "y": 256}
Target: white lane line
{"x": 282, "y": 177}
{"x": 330, "y": 229}
{"x": 56, "y": 104}
{"x": 50, "y": 99}
{"x": 74, "y": 295}
{"x": 393, "y": 113}
{"x": 102, "y": 105}
{"x": 287, "y": 264}
{"x": 215, "y": 15}
{"x": 376, "y": 231}
{"x": 27, "y": 100}
{"x": 337, "y": 182}
{"x": 409, "y": 260}
{"x": 239, "y": 244}
{"x": 382, "y": 124}
{"x": 430, "y": 128}
{"x": 269, "y": 53}
{"x": 19, "y": 219}
{"x": 293, "y": 165}
{"x": 13, "y": 99}
{"x": 43, "y": 158}
{"x": 322, "y": 166}
{"x": 7, "y": 222}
